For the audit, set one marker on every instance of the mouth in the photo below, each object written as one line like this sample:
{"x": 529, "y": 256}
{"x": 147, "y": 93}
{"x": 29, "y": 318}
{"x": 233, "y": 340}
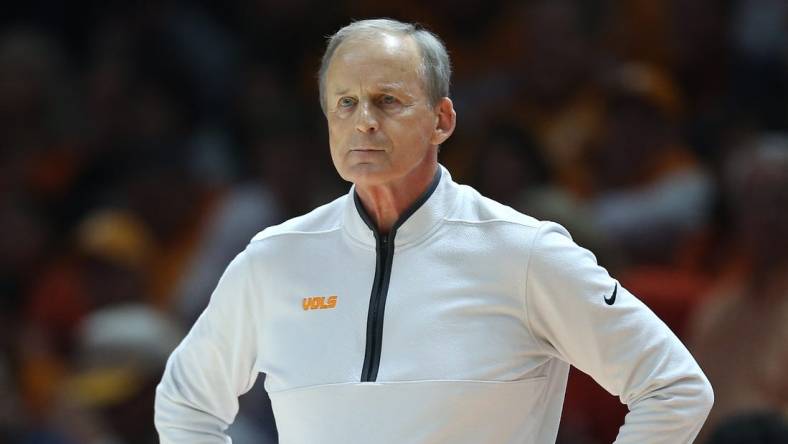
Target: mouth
{"x": 366, "y": 149}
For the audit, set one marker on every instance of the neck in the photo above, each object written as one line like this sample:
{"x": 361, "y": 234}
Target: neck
{"x": 385, "y": 203}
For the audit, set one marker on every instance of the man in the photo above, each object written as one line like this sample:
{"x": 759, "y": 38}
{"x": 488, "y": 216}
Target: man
{"x": 414, "y": 310}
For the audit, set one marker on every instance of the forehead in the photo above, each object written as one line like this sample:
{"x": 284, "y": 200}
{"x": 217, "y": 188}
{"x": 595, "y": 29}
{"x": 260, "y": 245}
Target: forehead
{"x": 384, "y": 57}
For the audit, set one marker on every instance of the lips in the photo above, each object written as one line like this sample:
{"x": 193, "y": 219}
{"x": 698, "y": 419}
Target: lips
{"x": 366, "y": 148}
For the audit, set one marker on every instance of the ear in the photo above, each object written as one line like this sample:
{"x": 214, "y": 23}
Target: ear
{"x": 445, "y": 122}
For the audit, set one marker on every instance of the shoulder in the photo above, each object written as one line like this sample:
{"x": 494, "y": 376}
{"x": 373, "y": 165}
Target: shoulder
{"x": 476, "y": 209}
{"x": 325, "y": 218}
{"x": 503, "y": 227}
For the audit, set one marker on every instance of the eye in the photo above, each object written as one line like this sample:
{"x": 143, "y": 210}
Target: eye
{"x": 346, "y": 102}
{"x": 388, "y": 100}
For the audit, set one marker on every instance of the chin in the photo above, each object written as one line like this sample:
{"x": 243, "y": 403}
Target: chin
{"x": 367, "y": 174}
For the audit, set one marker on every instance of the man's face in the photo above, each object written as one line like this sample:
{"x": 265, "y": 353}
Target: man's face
{"x": 380, "y": 122}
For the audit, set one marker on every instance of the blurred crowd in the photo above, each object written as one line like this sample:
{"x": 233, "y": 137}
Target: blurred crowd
{"x": 142, "y": 144}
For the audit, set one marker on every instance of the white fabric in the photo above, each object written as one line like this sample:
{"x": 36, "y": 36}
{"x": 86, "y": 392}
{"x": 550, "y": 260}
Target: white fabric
{"x": 486, "y": 310}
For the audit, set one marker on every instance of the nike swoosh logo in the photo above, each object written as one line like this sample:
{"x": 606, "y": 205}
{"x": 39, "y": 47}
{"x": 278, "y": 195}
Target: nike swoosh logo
{"x": 612, "y": 299}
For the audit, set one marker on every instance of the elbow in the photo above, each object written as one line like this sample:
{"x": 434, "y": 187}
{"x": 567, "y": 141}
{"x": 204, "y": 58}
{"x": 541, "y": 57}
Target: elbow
{"x": 694, "y": 397}
{"x": 161, "y": 409}
{"x": 706, "y": 397}
{"x": 698, "y": 398}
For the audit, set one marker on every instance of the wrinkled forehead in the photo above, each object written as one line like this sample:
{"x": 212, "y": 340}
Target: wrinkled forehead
{"x": 387, "y": 42}
{"x": 395, "y": 57}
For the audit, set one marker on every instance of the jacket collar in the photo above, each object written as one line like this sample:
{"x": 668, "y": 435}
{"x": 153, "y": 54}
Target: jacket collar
{"x": 415, "y": 223}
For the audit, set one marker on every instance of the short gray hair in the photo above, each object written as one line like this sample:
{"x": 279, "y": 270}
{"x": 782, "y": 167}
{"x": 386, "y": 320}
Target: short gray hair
{"x": 435, "y": 67}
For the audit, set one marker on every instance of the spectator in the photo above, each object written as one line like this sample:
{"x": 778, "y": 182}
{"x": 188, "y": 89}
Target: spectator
{"x": 739, "y": 334}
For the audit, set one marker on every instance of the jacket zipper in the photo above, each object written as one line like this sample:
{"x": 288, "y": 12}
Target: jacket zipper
{"x": 384, "y": 246}
{"x": 377, "y": 306}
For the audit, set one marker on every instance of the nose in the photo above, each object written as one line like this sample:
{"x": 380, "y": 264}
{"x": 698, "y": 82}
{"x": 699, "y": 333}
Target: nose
{"x": 366, "y": 121}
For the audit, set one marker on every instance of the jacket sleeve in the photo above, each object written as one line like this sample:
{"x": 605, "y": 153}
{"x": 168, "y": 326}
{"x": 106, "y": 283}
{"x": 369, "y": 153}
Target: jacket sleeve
{"x": 197, "y": 397}
{"x": 620, "y": 342}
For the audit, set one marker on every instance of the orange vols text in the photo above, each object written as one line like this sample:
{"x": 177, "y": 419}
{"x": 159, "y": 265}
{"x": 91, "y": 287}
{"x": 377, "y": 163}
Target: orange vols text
{"x": 319, "y": 302}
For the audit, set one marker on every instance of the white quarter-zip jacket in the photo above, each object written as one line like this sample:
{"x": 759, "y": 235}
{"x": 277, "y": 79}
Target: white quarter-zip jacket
{"x": 459, "y": 327}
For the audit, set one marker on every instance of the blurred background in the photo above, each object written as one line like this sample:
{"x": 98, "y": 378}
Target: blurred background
{"x": 142, "y": 144}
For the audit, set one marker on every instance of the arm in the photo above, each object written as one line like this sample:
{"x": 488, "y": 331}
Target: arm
{"x": 624, "y": 346}
{"x": 197, "y": 398}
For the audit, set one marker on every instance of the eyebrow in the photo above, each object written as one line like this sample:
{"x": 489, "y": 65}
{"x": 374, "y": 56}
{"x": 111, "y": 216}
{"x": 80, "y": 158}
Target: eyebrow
{"x": 385, "y": 87}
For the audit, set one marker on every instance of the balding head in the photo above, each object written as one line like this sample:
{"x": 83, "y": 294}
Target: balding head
{"x": 434, "y": 68}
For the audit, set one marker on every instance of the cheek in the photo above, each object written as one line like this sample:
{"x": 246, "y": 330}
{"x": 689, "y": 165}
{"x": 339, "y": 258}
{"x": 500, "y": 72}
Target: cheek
{"x": 411, "y": 119}
{"x": 333, "y": 143}
{"x": 418, "y": 131}
{"x": 335, "y": 134}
